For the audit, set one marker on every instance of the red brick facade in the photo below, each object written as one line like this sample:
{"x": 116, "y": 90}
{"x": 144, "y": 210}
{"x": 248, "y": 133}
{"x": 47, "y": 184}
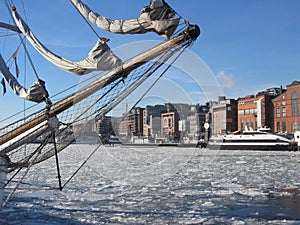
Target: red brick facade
{"x": 287, "y": 109}
{"x": 255, "y": 112}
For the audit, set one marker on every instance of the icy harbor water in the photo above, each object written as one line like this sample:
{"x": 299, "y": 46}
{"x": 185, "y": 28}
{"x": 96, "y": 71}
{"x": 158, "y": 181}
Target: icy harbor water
{"x": 125, "y": 185}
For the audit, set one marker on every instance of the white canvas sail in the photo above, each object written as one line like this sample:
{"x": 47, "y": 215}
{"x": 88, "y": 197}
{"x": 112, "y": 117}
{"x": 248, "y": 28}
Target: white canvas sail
{"x": 36, "y": 92}
{"x": 157, "y": 17}
{"x": 99, "y": 58}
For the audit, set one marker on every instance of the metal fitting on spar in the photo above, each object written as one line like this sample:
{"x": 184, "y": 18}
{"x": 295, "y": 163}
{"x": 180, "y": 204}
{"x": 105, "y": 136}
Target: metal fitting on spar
{"x": 193, "y": 31}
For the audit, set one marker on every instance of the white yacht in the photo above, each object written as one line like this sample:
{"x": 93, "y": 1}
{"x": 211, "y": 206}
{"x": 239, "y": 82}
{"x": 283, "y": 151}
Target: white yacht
{"x": 249, "y": 139}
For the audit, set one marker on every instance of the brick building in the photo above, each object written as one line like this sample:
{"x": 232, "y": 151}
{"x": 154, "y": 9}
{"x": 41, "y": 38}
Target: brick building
{"x": 169, "y": 126}
{"x": 132, "y": 123}
{"x": 287, "y": 109}
{"x": 255, "y": 111}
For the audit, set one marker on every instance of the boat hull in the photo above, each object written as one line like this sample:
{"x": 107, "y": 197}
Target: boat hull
{"x": 258, "y": 147}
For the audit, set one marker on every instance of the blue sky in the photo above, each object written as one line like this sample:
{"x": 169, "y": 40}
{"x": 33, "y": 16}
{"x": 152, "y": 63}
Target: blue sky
{"x": 248, "y": 46}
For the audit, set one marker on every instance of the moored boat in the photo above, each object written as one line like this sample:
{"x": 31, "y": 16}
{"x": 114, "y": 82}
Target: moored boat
{"x": 263, "y": 140}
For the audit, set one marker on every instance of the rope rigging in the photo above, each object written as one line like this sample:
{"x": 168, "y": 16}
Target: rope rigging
{"x": 73, "y": 113}
{"x": 9, "y": 5}
{"x": 89, "y": 25}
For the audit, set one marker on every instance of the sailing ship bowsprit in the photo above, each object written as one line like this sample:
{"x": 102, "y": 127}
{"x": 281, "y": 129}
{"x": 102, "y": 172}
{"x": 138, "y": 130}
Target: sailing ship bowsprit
{"x": 21, "y": 142}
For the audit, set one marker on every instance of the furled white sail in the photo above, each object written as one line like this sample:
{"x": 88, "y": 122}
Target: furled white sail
{"x": 36, "y": 92}
{"x": 99, "y": 58}
{"x": 157, "y": 17}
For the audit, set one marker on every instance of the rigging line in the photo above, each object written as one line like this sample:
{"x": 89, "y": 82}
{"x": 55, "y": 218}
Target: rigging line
{"x": 24, "y": 162}
{"x": 6, "y": 35}
{"x": 80, "y": 167}
{"x": 79, "y": 118}
{"x": 181, "y": 27}
{"x": 23, "y": 119}
{"x": 56, "y": 160}
{"x": 37, "y": 152}
{"x": 11, "y": 179}
{"x": 9, "y": 7}
{"x": 96, "y": 76}
{"x": 154, "y": 67}
{"x": 12, "y": 125}
{"x": 55, "y": 95}
{"x": 137, "y": 80}
{"x": 25, "y": 80}
{"x": 181, "y": 17}
{"x": 90, "y": 26}
{"x": 13, "y": 54}
{"x": 25, "y": 14}
{"x": 160, "y": 76}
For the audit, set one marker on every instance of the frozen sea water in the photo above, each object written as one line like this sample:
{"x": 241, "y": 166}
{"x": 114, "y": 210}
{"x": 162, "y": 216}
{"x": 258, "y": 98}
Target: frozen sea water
{"x": 2, "y": 177}
{"x": 125, "y": 185}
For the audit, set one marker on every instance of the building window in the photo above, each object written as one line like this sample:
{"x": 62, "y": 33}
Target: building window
{"x": 295, "y": 104}
{"x": 278, "y": 112}
{"x": 283, "y": 126}
{"x": 295, "y": 127}
{"x": 170, "y": 122}
{"x": 283, "y": 112}
{"x": 278, "y": 127}
{"x": 241, "y": 112}
{"x": 165, "y": 122}
{"x": 242, "y": 124}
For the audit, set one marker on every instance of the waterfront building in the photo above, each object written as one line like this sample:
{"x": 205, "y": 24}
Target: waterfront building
{"x": 104, "y": 127}
{"x": 196, "y": 119}
{"x": 131, "y": 124}
{"x": 169, "y": 126}
{"x": 287, "y": 109}
{"x": 155, "y": 126}
{"x": 257, "y": 111}
{"x": 151, "y": 119}
{"x": 184, "y": 127}
{"x": 252, "y": 112}
{"x": 223, "y": 116}
{"x": 183, "y": 110}
{"x": 125, "y": 123}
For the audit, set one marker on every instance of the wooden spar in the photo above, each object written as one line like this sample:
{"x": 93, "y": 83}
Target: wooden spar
{"x": 191, "y": 33}
{"x": 10, "y": 27}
